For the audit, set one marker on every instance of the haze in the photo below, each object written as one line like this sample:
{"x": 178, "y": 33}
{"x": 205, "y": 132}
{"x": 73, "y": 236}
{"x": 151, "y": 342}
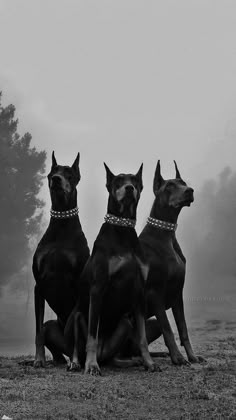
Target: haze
{"x": 123, "y": 82}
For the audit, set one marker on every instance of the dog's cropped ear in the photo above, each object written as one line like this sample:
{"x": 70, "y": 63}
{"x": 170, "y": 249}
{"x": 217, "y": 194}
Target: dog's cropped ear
{"x": 139, "y": 176}
{"x": 177, "y": 171}
{"x": 110, "y": 177}
{"x": 54, "y": 162}
{"x": 158, "y": 180}
{"x": 75, "y": 167}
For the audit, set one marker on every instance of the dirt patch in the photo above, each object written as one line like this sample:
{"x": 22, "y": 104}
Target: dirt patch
{"x": 206, "y": 391}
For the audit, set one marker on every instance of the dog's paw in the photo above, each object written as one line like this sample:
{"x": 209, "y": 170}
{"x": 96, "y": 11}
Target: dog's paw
{"x": 196, "y": 359}
{"x": 153, "y": 367}
{"x": 26, "y": 362}
{"x": 179, "y": 360}
{"x": 92, "y": 369}
{"x": 39, "y": 363}
{"x": 137, "y": 361}
{"x": 73, "y": 367}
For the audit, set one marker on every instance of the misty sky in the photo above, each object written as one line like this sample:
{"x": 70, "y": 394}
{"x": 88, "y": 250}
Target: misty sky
{"x": 125, "y": 82}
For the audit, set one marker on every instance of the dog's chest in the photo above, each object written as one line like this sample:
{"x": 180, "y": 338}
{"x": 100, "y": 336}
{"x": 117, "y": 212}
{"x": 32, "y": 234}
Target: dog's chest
{"x": 176, "y": 274}
{"x": 55, "y": 257}
{"x": 117, "y": 263}
{"x": 176, "y": 265}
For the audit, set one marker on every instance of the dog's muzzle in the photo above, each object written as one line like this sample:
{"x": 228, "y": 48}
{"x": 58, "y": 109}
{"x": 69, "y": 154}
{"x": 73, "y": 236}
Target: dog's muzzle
{"x": 56, "y": 182}
{"x": 127, "y": 191}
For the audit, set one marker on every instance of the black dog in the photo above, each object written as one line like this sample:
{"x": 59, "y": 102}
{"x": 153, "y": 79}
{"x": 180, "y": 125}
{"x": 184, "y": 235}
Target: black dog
{"x": 165, "y": 282}
{"x": 59, "y": 260}
{"x": 115, "y": 276}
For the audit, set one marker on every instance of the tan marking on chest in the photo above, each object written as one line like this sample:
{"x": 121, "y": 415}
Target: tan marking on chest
{"x": 40, "y": 257}
{"x": 117, "y": 262}
{"x": 144, "y": 268}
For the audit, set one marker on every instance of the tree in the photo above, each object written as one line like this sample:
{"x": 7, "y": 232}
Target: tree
{"x": 21, "y": 174}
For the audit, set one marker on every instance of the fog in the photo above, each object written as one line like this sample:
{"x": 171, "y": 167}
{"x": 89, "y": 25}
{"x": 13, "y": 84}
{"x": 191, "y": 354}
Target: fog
{"x": 127, "y": 82}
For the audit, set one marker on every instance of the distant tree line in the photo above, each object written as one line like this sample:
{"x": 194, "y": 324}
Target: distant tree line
{"x": 210, "y": 235}
{"x": 21, "y": 173}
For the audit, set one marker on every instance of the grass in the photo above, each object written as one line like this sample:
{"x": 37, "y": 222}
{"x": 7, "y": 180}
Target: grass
{"x": 206, "y": 391}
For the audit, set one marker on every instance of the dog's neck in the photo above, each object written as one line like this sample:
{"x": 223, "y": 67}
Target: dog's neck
{"x": 121, "y": 210}
{"x": 120, "y": 221}
{"x": 64, "y": 208}
{"x": 160, "y": 224}
{"x": 164, "y": 213}
{"x": 67, "y": 214}
{"x": 64, "y": 202}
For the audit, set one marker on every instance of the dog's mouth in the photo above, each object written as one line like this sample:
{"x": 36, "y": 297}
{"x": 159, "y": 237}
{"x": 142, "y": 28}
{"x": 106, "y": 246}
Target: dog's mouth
{"x": 130, "y": 198}
{"x": 130, "y": 194}
{"x": 126, "y": 195}
{"x": 57, "y": 189}
{"x": 184, "y": 203}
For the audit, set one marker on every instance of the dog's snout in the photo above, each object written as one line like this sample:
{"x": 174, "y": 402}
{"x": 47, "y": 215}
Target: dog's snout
{"x": 189, "y": 192}
{"x": 129, "y": 188}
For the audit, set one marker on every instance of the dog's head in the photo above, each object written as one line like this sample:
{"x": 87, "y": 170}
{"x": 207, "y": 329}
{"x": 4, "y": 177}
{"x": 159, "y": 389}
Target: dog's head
{"x": 172, "y": 193}
{"x": 124, "y": 192}
{"x": 62, "y": 181}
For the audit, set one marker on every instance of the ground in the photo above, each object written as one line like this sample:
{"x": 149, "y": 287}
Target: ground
{"x": 206, "y": 391}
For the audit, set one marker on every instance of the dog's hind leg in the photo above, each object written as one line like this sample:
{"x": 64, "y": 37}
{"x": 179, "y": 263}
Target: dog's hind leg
{"x": 108, "y": 348}
{"x": 39, "y": 305}
{"x": 178, "y": 312}
{"x": 55, "y": 342}
{"x": 130, "y": 353}
{"x": 153, "y": 332}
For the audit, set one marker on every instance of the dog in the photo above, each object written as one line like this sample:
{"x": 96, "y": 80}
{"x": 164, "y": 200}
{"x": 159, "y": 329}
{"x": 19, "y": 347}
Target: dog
{"x": 167, "y": 265}
{"x": 114, "y": 279}
{"x": 59, "y": 260}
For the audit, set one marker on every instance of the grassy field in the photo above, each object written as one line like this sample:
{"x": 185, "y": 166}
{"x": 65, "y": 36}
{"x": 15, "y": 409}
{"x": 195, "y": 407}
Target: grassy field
{"x": 206, "y": 391}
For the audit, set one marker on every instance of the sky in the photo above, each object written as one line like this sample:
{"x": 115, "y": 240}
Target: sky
{"x": 125, "y": 82}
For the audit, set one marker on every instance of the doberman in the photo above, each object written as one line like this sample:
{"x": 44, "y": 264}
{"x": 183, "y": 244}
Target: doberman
{"x": 59, "y": 260}
{"x": 165, "y": 282}
{"x": 115, "y": 275}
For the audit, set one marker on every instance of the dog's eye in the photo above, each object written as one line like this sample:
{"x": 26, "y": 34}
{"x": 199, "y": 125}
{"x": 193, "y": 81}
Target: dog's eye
{"x": 118, "y": 183}
{"x": 170, "y": 186}
{"x": 68, "y": 173}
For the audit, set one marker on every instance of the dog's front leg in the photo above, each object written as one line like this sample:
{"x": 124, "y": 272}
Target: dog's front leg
{"x": 39, "y": 306}
{"x": 176, "y": 356}
{"x": 178, "y": 312}
{"x": 91, "y": 364}
{"x": 98, "y": 283}
{"x": 143, "y": 344}
{"x": 80, "y": 334}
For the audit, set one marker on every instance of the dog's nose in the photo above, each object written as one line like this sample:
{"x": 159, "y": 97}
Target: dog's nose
{"x": 129, "y": 188}
{"x": 189, "y": 192}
